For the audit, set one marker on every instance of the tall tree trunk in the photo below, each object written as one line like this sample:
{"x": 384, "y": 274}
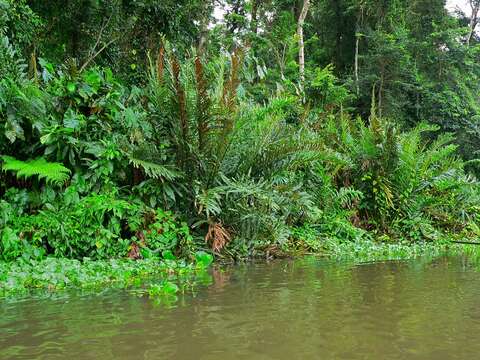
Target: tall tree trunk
{"x": 254, "y": 24}
{"x": 475, "y": 6}
{"x": 301, "y": 46}
{"x": 357, "y": 80}
{"x": 338, "y": 26}
{"x": 202, "y": 41}
{"x": 357, "y": 49}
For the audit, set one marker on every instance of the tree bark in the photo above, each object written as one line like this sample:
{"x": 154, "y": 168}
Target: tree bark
{"x": 357, "y": 49}
{"x": 202, "y": 41}
{"x": 475, "y": 6}
{"x": 357, "y": 80}
{"x": 301, "y": 45}
{"x": 254, "y": 24}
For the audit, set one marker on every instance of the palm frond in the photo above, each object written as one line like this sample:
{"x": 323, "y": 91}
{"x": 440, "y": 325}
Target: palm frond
{"x": 203, "y": 104}
{"x": 160, "y": 64}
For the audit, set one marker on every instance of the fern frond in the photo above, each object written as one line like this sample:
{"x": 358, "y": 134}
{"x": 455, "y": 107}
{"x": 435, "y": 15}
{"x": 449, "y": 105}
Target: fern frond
{"x": 154, "y": 170}
{"x": 11, "y": 63}
{"x": 348, "y": 196}
{"x": 52, "y": 172}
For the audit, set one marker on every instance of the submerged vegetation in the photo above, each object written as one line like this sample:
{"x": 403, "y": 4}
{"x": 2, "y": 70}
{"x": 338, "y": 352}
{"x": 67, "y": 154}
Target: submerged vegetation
{"x": 235, "y": 144}
{"x": 140, "y": 277}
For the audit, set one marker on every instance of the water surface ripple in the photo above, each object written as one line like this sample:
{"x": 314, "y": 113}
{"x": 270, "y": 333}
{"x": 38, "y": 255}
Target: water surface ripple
{"x": 304, "y": 309}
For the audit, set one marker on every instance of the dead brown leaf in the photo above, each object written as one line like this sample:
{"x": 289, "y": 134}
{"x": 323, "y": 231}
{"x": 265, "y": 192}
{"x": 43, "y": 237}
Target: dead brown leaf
{"x": 217, "y": 236}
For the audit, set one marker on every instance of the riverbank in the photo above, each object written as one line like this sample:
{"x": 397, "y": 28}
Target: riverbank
{"x": 21, "y": 276}
{"x": 157, "y": 278}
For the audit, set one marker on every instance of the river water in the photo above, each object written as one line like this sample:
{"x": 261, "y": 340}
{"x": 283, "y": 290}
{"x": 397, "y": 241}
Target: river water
{"x": 306, "y": 309}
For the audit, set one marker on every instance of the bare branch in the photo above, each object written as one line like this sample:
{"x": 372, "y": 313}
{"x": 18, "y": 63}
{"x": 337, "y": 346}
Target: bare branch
{"x": 91, "y": 58}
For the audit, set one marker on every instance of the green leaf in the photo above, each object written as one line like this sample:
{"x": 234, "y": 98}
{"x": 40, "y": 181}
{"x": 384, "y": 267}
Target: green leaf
{"x": 168, "y": 255}
{"x": 71, "y": 87}
{"x": 170, "y": 288}
{"x": 203, "y": 259}
{"x": 93, "y": 79}
{"x": 70, "y": 119}
{"x": 13, "y": 130}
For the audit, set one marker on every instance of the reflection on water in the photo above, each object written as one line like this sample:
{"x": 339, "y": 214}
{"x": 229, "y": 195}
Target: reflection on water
{"x": 304, "y": 309}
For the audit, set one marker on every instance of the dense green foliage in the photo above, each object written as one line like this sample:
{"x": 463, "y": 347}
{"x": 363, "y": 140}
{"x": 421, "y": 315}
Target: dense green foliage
{"x": 118, "y": 142}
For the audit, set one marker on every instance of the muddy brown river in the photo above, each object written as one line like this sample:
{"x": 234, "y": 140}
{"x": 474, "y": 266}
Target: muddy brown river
{"x": 304, "y": 309}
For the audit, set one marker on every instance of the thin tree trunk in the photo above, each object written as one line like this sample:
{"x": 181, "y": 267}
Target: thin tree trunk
{"x": 254, "y": 24}
{"x": 202, "y": 41}
{"x": 357, "y": 81}
{"x": 475, "y": 5}
{"x": 301, "y": 46}
{"x": 33, "y": 65}
{"x": 337, "y": 55}
{"x": 357, "y": 50}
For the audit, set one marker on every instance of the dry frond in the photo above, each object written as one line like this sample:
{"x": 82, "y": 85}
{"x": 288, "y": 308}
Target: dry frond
{"x": 203, "y": 104}
{"x": 229, "y": 97}
{"x": 231, "y": 85}
{"x": 160, "y": 64}
{"x": 134, "y": 252}
{"x": 217, "y": 236}
{"x": 181, "y": 101}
